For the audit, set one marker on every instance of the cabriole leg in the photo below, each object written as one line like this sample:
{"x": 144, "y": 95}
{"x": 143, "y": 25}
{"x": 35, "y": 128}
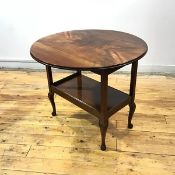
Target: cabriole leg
{"x": 132, "y": 105}
{"x": 103, "y": 129}
{"x": 51, "y": 93}
{"x": 132, "y": 108}
{"x": 51, "y": 98}
{"x": 103, "y": 121}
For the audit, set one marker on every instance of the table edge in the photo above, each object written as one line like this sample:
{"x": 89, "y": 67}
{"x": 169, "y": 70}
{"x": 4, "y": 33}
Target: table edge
{"x": 90, "y": 68}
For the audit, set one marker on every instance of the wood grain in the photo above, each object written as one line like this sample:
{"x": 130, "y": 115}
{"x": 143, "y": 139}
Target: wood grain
{"x": 88, "y": 49}
{"x": 34, "y": 143}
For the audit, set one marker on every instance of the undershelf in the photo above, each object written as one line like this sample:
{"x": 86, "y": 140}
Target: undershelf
{"x": 85, "y": 93}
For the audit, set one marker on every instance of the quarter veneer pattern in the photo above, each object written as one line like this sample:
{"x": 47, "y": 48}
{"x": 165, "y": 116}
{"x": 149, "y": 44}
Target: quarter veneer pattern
{"x": 88, "y": 49}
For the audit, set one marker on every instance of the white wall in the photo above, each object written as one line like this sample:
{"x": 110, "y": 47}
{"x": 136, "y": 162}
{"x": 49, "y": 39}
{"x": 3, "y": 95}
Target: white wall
{"x": 24, "y": 21}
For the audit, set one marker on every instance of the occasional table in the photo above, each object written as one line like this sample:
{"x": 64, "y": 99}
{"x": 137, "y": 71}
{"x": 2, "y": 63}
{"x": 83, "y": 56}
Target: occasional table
{"x": 101, "y": 52}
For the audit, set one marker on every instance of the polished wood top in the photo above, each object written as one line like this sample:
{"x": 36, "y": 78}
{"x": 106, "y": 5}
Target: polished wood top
{"x": 88, "y": 49}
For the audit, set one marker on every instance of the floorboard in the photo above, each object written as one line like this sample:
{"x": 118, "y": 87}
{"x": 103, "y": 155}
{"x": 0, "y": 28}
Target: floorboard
{"x": 32, "y": 142}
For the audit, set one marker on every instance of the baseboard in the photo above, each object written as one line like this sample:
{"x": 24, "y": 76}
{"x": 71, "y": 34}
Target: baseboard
{"x": 18, "y": 64}
{"x": 31, "y": 64}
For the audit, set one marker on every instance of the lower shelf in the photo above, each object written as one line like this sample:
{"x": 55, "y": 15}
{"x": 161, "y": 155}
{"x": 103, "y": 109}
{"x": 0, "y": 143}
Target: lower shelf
{"x": 85, "y": 93}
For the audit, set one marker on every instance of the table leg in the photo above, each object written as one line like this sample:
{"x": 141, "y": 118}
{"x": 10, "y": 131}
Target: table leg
{"x": 79, "y": 85}
{"x": 132, "y": 105}
{"x": 103, "y": 121}
{"x": 51, "y": 93}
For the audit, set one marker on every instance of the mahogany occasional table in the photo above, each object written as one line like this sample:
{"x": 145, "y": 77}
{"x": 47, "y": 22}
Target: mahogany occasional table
{"x": 99, "y": 51}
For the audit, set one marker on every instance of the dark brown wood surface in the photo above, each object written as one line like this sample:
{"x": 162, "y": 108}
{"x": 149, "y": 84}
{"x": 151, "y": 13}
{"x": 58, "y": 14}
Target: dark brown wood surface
{"x": 88, "y": 91}
{"x": 88, "y": 49}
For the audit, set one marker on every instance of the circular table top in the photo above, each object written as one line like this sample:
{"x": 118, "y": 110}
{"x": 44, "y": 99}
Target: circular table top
{"x": 88, "y": 49}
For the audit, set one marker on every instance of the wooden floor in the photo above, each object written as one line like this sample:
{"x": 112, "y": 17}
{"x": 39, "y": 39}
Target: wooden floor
{"x": 32, "y": 142}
